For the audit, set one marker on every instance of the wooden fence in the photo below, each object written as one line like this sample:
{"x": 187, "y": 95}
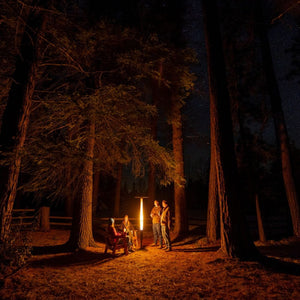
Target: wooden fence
{"x": 27, "y": 217}
{"x": 274, "y": 226}
{"x": 24, "y": 217}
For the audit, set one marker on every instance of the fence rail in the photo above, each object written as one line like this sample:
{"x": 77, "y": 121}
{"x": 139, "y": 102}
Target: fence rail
{"x": 30, "y": 217}
{"x": 27, "y": 217}
{"x": 22, "y": 216}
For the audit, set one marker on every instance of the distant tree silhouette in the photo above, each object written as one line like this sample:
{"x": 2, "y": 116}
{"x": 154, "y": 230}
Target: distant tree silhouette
{"x": 16, "y": 116}
{"x": 279, "y": 120}
{"x": 235, "y": 239}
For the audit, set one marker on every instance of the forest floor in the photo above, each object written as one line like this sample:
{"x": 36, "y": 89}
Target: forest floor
{"x": 193, "y": 270}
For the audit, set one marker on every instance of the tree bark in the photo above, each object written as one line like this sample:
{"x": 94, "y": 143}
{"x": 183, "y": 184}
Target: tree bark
{"x": 70, "y": 195}
{"x": 181, "y": 222}
{"x": 212, "y": 223}
{"x": 96, "y": 183}
{"x": 156, "y": 84}
{"x": 151, "y": 182}
{"x": 260, "y": 225}
{"x": 280, "y": 126}
{"x": 235, "y": 239}
{"x": 118, "y": 191}
{"x": 81, "y": 235}
{"x": 17, "y": 112}
{"x": 45, "y": 218}
{"x": 152, "y": 169}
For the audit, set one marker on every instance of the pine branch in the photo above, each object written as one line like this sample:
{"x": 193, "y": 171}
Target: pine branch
{"x": 285, "y": 12}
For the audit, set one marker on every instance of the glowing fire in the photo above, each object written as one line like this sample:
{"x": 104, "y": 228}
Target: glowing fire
{"x": 141, "y": 214}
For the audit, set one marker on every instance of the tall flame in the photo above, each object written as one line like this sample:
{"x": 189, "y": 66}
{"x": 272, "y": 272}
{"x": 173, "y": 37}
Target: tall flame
{"x": 141, "y": 214}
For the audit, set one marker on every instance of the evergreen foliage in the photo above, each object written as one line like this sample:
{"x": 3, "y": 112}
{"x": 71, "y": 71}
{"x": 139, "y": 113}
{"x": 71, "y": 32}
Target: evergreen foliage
{"x": 97, "y": 72}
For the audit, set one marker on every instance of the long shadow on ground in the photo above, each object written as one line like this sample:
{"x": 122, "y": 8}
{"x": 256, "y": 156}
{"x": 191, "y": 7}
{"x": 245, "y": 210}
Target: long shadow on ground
{"x": 290, "y": 250}
{"x": 200, "y": 249}
{"x": 182, "y": 242}
{"x": 63, "y": 248}
{"x": 268, "y": 263}
{"x": 41, "y": 250}
{"x": 73, "y": 259}
{"x": 279, "y": 266}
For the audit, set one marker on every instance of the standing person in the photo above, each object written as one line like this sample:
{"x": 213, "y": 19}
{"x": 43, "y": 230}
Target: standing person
{"x": 127, "y": 228}
{"x": 155, "y": 215}
{"x": 165, "y": 222}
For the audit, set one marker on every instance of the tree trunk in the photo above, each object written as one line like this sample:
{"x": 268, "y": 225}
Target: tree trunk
{"x": 69, "y": 205}
{"x": 45, "y": 218}
{"x": 152, "y": 169}
{"x": 235, "y": 239}
{"x": 212, "y": 223}
{"x": 155, "y": 100}
{"x": 96, "y": 191}
{"x": 280, "y": 127}
{"x": 181, "y": 222}
{"x": 70, "y": 195}
{"x": 151, "y": 182}
{"x": 260, "y": 226}
{"x": 16, "y": 115}
{"x": 118, "y": 191}
{"x": 81, "y": 235}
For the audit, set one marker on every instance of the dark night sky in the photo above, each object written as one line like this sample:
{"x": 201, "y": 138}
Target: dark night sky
{"x": 281, "y": 38}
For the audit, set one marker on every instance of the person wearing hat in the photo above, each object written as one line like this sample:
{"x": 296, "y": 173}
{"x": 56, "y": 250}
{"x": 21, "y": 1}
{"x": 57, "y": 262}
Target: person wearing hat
{"x": 165, "y": 222}
{"x": 155, "y": 215}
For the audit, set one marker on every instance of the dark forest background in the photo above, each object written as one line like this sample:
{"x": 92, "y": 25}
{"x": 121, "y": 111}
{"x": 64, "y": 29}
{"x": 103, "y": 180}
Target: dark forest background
{"x": 122, "y": 91}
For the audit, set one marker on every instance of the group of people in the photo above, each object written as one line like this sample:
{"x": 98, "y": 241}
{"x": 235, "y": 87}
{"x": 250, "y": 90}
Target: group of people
{"x": 161, "y": 225}
{"x": 126, "y": 230}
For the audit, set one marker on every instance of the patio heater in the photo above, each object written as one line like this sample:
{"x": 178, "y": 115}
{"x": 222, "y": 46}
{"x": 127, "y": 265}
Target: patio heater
{"x": 140, "y": 231}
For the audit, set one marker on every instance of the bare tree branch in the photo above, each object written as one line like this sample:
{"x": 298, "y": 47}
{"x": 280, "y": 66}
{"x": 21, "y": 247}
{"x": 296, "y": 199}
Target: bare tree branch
{"x": 285, "y": 12}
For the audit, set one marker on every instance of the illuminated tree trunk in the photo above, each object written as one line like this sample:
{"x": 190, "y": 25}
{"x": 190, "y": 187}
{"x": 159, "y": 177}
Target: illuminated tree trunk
{"x": 280, "y": 127}
{"x": 17, "y": 112}
{"x": 181, "y": 222}
{"x": 260, "y": 226}
{"x": 212, "y": 224}
{"x": 235, "y": 239}
{"x": 151, "y": 182}
{"x": 69, "y": 196}
{"x": 118, "y": 191}
{"x": 156, "y": 84}
{"x": 96, "y": 183}
{"x": 152, "y": 170}
{"x": 81, "y": 235}
{"x": 45, "y": 218}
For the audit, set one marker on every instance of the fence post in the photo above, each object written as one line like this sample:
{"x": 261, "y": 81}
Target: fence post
{"x": 45, "y": 218}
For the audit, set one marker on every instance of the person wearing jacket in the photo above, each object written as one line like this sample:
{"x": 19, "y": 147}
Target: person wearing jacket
{"x": 127, "y": 228}
{"x": 165, "y": 222}
{"x": 155, "y": 215}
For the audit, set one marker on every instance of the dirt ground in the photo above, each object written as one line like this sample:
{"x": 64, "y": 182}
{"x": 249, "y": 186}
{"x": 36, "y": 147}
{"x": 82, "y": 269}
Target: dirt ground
{"x": 192, "y": 270}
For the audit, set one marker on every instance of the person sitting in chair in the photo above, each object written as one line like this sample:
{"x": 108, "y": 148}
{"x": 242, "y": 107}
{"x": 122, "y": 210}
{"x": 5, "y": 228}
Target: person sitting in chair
{"x": 115, "y": 240}
{"x": 113, "y": 234}
{"x": 127, "y": 228}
